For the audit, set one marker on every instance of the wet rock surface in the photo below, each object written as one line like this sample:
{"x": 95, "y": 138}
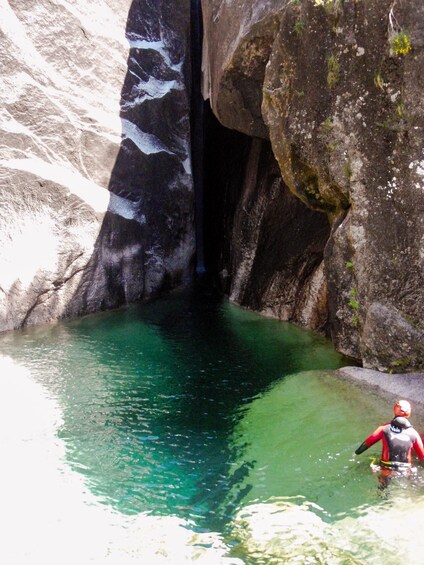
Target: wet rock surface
{"x": 95, "y": 171}
{"x": 278, "y": 247}
{"x": 391, "y": 386}
{"x": 342, "y": 105}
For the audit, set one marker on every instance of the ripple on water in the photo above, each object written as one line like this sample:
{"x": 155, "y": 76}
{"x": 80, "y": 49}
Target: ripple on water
{"x": 212, "y": 417}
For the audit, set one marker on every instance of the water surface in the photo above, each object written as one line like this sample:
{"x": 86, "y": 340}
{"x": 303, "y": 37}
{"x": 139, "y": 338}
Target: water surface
{"x": 192, "y": 407}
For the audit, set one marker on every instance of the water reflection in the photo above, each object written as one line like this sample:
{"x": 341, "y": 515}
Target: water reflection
{"x": 151, "y": 395}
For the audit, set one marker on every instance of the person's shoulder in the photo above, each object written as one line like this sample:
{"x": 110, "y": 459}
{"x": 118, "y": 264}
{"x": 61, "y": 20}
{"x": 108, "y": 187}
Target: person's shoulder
{"x": 381, "y": 429}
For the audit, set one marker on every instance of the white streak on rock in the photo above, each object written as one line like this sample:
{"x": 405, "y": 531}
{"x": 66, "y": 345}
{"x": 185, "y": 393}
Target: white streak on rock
{"x": 15, "y": 32}
{"x": 125, "y": 208}
{"x": 151, "y": 89}
{"x": 187, "y": 165}
{"x": 146, "y": 142}
{"x": 137, "y": 42}
{"x": 104, "y": 108}
{"x": 97, "y": 197}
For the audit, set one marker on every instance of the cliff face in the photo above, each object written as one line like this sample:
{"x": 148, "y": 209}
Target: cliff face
{"x": 95, "y": 172}
{"x": 336, "y": 86}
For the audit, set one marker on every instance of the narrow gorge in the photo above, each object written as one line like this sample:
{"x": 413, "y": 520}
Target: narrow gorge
{"x": 211, "y": 281}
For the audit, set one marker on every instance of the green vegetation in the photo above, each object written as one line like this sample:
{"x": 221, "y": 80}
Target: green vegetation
{"x": 353, "y": 303}
{"x": 333, "y": 74}
{"x": 398, "y": 119}
{"x": 349, "y": 264}
{"x": 399, "y": 364}
{"x": 400, "y": 109}
{"x": 332, "y": 146}
{"x": 378, "y": 81}
{"x": 298, "y": 27}
{"x": 329, "y": 3}
{"x": 333, "y": 8}
{"x": 401, "y": 44}
{"x": 327, "y": 125}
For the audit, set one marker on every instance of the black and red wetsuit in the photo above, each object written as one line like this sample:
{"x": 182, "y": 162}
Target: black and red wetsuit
{"x": 399, "y": 439}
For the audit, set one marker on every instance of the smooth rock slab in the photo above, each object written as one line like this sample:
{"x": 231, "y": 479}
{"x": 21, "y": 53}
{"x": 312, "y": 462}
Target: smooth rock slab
{"x": 95, "y": 173}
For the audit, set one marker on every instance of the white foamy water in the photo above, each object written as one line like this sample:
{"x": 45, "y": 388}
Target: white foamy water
{"x": 49, "y": 517}
{"x": 291, "y": 531}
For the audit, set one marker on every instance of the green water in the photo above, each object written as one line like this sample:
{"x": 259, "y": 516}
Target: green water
{"x": 191, "y": 407}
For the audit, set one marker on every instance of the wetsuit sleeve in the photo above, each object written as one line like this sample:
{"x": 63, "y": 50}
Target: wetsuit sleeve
{"x": 361, "y": 448}
{"x": 418, "y": 447}
{"x": 370, "y": 440}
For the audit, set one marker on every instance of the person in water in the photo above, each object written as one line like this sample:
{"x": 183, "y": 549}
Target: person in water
{"x": 399, "y": 438}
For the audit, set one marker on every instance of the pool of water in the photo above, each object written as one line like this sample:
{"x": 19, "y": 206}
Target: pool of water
{"x": 193, "y": 408}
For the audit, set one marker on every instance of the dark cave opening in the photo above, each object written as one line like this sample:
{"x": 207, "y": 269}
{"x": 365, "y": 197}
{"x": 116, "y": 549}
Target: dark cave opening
{"x": 255, "y": 241}
{"x": 225, "y": 156}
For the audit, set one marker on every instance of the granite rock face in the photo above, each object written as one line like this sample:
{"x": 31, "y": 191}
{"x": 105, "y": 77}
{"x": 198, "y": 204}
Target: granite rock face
{"x": 339, "y": 92}
{"x": 238, "y": 41}
{"x": 95, "y": 173}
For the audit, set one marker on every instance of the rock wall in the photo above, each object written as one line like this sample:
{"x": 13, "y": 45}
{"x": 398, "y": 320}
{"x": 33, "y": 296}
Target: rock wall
{"x": 95, "y": 169}
{"x": 266, "y": 245}
{"x": 336, "y": 85}
{"x": 278, "y": 247}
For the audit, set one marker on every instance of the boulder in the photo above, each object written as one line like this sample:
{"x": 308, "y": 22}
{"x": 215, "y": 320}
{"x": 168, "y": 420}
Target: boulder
{"x": 389, "y": 342}
{"x": 238, "y": 38}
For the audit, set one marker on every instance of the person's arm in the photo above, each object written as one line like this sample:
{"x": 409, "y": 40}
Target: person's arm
{"x": 418, "y": 447}
{"x": 370, "y": 440}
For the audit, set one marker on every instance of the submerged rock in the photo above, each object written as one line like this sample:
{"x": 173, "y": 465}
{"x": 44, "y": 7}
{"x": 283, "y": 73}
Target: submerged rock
{"x": 340, "y": 88}
{"x": 95, "y": 171}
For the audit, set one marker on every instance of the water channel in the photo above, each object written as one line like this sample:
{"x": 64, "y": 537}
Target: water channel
{"x": 230, "y": 423}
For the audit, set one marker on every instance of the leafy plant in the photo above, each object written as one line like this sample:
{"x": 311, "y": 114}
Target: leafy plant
{"x": 353, "y": 303}
{"x": 401, "y": 44}
{"x": 378, "y": 81}
{"x": 298, "y": 27}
